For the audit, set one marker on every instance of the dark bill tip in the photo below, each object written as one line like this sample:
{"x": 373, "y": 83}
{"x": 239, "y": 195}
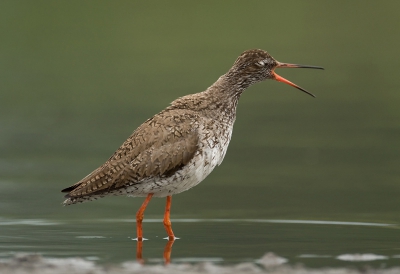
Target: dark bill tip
{"x": 286, "y": 65}
{"x": 283, "y": 80}
{"x": 309, "y": 93}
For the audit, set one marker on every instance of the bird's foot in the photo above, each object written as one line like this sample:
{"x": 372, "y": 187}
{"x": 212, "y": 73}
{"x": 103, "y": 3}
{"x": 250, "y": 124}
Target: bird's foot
{"x": 139, "y": 239}
{"x": 171, "y": 238}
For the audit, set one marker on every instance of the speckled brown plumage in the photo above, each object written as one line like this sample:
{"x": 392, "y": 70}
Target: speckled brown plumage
{"x": 178, "y": 147}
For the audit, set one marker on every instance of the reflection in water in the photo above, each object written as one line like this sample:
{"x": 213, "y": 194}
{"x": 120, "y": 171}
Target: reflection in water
{"x": 139, "y": 252}
{"x": 166, "y": 254}
{"x": 168, "y": 251}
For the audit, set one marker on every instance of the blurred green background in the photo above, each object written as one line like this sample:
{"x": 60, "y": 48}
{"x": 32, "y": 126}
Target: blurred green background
{"x": 77, "y": 77}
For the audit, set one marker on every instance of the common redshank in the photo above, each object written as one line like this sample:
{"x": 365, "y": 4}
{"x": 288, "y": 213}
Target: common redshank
{"x": 177, "y": 148}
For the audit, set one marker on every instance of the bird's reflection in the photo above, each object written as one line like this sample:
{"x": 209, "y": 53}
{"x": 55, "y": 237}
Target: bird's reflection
{"x": 139, "y": 252}
{"x": 166, "y": 254}
{"x": 168, "y": 251}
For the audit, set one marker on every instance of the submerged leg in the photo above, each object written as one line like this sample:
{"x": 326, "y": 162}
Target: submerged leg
{"x": 167, "y": 221}
{"x": 139, "y": 217}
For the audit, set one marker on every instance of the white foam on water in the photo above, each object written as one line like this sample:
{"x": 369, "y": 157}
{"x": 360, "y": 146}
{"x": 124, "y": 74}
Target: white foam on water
{"x": 361, "y": 257}
{"x": 271, "y": 259}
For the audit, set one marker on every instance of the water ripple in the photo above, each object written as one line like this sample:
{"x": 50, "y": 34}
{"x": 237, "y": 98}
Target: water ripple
{"x": 274, "y": 221}
{"x": 35, "y": 222}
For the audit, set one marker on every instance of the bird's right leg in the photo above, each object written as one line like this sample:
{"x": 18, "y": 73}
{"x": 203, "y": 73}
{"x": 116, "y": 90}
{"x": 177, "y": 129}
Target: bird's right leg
{"x": 167, "y": 221}
{"x": 139, "y": 217}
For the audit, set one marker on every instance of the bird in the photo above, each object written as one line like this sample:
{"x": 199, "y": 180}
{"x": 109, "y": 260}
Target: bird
{"x": 178, "y": 148}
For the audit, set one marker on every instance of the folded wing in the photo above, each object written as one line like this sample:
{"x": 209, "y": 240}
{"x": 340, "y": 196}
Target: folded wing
{"x": 157, "y": 148}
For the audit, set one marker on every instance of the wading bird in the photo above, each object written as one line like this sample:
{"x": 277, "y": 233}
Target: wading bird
{"x": 177, "y": 148}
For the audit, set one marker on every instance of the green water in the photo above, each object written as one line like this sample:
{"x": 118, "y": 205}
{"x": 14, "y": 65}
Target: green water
{"x": 78, "y": 77}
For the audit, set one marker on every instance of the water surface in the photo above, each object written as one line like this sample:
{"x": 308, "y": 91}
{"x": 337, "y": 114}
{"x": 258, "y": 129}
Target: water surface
{"x": 222, "y": 241}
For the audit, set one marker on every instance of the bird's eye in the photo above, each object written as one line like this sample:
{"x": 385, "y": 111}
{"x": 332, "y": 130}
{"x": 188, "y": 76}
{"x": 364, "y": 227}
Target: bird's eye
{"x": 261, "y": 63}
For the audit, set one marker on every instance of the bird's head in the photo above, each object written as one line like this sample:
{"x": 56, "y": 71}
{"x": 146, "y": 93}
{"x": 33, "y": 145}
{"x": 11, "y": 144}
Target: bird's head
{"x": 257, "y": 65}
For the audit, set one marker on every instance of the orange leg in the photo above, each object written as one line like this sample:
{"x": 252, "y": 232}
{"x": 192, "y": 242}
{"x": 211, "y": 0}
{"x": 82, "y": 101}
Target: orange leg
{"x": 139, "y": 253}
{"x": 167, "y": 221}
{"x": 167, "y": 252}
{"x": 139, "y": 217}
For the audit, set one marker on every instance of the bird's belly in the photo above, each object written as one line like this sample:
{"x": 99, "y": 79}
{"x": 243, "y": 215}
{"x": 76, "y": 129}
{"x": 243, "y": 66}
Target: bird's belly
{"x": 204, "y": 161}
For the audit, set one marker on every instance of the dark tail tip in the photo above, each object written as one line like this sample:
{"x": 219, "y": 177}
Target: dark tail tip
{"x": 69, "y": 189}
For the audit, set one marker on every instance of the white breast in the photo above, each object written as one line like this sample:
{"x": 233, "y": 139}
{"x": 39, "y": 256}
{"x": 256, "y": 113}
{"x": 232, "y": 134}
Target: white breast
{"x": 210, "y": 154}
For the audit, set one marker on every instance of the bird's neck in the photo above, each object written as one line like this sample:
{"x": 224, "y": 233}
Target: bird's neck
{"x": 228, "y": 87}
{"x": 218, "y": 102}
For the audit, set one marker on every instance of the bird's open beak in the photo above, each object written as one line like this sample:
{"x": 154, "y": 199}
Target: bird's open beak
{"x": 283, "y": 80}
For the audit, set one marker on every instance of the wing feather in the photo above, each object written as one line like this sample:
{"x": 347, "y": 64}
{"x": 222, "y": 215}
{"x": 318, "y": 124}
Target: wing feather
{"x": 155, "y": 149}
